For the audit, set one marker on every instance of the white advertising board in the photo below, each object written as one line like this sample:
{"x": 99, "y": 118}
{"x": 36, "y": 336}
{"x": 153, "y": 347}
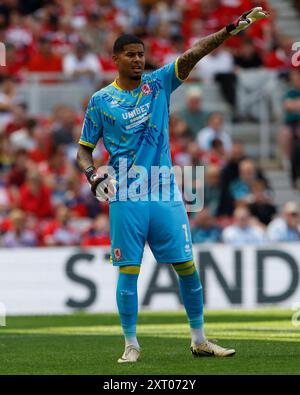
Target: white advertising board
{"x": 61, "y": 280}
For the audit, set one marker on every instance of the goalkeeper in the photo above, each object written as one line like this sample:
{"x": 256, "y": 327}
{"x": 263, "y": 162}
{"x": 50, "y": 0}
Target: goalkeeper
{"x": 132, "y": 116}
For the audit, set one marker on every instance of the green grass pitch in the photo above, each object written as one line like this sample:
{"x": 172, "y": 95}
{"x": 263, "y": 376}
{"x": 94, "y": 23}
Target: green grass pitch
{"x": 266, "y": 343}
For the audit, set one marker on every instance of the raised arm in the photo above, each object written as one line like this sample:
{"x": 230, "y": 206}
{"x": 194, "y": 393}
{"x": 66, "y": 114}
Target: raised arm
{"x": 188, "y": 60}
{"x": 191, "y": 57}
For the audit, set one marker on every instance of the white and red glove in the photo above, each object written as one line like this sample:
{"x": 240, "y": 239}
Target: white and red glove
{"x": 244, "y": 21}
{"x": 103, "y": 187}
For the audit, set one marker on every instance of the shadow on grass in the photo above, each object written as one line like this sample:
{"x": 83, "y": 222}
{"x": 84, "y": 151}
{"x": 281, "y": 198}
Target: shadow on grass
{"x": 87, "y": 319}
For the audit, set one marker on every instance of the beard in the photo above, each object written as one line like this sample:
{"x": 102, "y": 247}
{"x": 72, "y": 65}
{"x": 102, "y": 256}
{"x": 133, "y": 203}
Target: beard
{"x": 135, "y": 78}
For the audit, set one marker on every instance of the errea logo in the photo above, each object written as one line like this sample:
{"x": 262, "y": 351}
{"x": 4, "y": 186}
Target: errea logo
{"x": 114, "y": 103}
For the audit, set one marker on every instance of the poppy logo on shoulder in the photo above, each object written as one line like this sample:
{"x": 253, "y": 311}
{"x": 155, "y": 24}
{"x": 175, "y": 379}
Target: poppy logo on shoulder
{"x": 146, "y": 89}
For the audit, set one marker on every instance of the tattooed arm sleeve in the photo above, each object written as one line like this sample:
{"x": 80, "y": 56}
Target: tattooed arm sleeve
{"x": 188, "y": 59}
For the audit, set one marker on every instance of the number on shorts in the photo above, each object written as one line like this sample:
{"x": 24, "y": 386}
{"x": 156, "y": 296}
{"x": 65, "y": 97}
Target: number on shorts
{"x": 184, "y": 226}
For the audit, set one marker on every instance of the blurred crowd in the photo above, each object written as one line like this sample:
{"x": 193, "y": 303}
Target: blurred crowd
{"x": 45, "y": 199}
{"x": 75, "y": 36}
{"x": 238, "y": 199}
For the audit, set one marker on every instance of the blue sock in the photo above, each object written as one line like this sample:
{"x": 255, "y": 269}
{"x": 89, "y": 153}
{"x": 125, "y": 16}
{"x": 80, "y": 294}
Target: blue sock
{"x": 127, "y": 301}
{"x": 192, "y": 296}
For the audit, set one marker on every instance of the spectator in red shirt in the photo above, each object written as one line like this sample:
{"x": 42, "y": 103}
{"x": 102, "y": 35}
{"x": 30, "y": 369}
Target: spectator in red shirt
{"x": 109, "y": 11}
{"x": 43, "y": 149}
{"x": 14, "y": 62}
{"x": 35, "y": 196}
{"x": 17, "y": 175}
{"x": 97, "y": 233}
{"x": 180, "y": 137}
{"x": 264, "y": 30}
{"x": 45, "y": 60}
{"x": 211, "y": 16}
{"x": 56, "y": 167}
{"x": 281, "y": 58}
{"x": 18, "y": 119}
{"x": 216, "y": 155}
{"x": 62, "y": 33}
{"x": 105, "y": 56}
{"x": 160, "y": 45}
{"x": 190, "y": 10}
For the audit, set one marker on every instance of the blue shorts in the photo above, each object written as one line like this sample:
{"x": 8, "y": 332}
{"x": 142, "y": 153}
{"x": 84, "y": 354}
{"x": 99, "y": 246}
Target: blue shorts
{"x": 164, "y": 225}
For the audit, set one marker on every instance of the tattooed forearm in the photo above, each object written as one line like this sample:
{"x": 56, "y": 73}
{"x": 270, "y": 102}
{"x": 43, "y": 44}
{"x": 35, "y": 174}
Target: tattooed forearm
{"x": 84, "y": 157}
{"x": 188, "y": 60}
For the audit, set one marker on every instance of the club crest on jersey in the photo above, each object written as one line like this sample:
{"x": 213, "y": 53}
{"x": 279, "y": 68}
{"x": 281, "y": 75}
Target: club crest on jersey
{"x": 146, "y": 89}
{"x": 117, "y": 254}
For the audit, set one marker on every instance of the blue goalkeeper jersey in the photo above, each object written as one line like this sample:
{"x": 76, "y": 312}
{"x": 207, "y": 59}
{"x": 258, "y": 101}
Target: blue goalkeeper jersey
{"x": 134, "y": 126}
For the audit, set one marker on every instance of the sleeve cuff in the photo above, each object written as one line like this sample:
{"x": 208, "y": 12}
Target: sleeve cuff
{"x": 176, "y": 71}
{"x": 90, "y": 145}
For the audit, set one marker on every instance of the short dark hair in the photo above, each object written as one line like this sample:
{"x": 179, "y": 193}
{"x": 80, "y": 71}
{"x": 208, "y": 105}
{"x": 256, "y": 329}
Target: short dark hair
{"x": 216, "y": 143}
{"x": 126, "y": 39}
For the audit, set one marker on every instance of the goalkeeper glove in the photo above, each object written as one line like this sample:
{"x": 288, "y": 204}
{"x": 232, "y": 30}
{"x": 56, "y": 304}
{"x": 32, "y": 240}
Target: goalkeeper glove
{"x": 102, "y": 187}
{"x": 244, "y": 21}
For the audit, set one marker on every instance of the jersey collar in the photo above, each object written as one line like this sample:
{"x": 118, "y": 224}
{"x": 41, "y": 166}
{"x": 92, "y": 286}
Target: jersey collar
{"x": 116, "y": 85}
{"x": 120, "y": 89}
